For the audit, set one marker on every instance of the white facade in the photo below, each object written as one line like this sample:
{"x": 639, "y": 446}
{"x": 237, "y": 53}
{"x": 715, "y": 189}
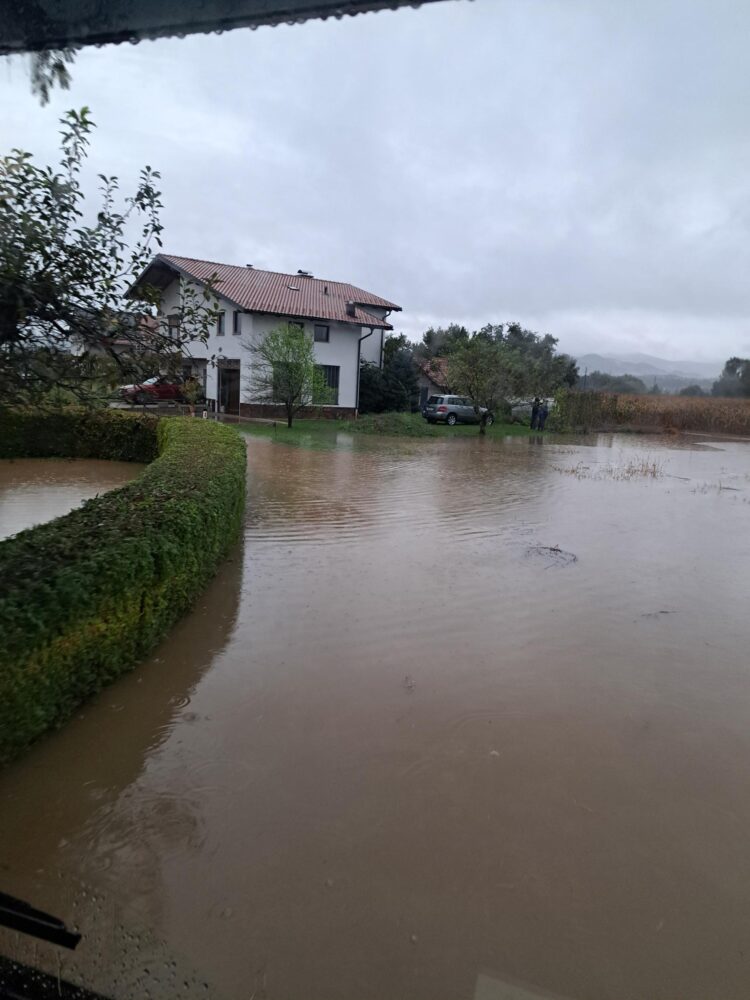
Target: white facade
{"x": 343, "y": 349}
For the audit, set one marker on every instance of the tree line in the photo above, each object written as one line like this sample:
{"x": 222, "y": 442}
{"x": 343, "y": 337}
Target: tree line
{"x": 734, "y": 381}
{"x": 492, "y": 365}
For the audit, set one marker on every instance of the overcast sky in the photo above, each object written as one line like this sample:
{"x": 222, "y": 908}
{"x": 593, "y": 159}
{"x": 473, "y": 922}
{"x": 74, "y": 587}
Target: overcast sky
{"x": 582, "y": 166}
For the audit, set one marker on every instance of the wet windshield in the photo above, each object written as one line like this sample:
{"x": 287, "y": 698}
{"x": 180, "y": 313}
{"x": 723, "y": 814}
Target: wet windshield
{"x": 374, "y": 495}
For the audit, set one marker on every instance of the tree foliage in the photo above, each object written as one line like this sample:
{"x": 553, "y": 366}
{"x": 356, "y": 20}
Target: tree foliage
{"x": 545, "y": 369}
{"x": 503, "y": 361}
{"x": 392, "y": 387}
{"x": 49, "y": 68}
{"x": 692, "y": 390}
{"x": 284, "y": 371}
{"x": 734, "y": 379}
{"x": 602, "y": 382}
{"x": 67, "y": 319}
{"x": 488, "y": 372}
{"x": 437, "y": 342}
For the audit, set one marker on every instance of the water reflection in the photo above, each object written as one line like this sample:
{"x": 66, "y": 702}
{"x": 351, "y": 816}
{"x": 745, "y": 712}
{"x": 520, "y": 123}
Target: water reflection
{"x": 425, "y": 764}
{"x": 79, "y": 787}
{"x": 33, "y": 490}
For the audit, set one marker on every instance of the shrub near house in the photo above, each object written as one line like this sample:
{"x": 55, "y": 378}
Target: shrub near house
{"x": 84, "y": 597}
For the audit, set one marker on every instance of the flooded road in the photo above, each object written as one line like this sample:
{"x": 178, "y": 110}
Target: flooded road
{"x": 33, "y": 490}
{"x": 462, "y": 720}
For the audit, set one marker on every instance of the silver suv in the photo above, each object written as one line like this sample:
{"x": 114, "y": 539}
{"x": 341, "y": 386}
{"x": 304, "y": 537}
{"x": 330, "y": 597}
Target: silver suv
{"x": 454, "y": 410}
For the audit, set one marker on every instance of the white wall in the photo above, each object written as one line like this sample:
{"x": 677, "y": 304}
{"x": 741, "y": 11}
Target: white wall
{"x": 226, "y": 346}
{"x": 341, "y": 349}
{"x": 372, "y": 346}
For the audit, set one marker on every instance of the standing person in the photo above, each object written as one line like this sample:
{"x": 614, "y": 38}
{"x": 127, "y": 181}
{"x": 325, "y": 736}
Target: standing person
{"x": 534, "y": 413}
{"x": 543, "y": 414}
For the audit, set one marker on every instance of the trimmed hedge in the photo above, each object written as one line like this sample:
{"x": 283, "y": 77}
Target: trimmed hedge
{"x": 78, "y": 434}
{"x": 86, "y": 596}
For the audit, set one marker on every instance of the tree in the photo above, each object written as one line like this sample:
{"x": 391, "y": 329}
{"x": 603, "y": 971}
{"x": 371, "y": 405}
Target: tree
{"x": 49, "y": 68}
{"x": 734, "y": 380}
{"x": 380, "y": 391}
{"x": 440, "y": 341}
{"x": 692, "y": 390}
{"x": 64, "y": 284}
{"x": 603, "y": 382}
{"x": 392, "y": 387}
{"x": 284, "y": 371}
{"x": 546, "y": 369}
{"x": 488, "y": 373}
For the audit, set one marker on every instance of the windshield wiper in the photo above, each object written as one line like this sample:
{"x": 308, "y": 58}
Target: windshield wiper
{"x": 20, "y": 916}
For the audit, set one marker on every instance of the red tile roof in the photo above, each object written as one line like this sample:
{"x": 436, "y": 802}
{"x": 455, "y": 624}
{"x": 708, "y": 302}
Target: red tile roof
{"x": 436, "y": 370}
{"x": 284, "y": 294}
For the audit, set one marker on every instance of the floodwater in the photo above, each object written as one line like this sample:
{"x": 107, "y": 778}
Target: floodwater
{"x": 461, "y": 720}
{"x": 33, "y": 490}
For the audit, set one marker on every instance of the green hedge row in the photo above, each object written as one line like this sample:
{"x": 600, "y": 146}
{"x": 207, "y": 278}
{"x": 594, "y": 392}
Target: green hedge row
{"x": 73, "y": 433}
{"x": 84, "y": 597}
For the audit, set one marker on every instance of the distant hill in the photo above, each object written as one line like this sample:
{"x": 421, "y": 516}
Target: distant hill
{"x": 648, "y": 367}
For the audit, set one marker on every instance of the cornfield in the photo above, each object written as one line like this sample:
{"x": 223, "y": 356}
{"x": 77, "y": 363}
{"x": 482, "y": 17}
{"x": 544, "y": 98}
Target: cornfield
{"x": 604, "y": 411}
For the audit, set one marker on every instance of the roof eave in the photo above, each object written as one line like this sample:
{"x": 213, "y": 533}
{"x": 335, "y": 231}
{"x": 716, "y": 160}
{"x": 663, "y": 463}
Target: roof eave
{"x": 32, "y": 27}
{"x": 180, "y": 272}
{"x": 377, "y": 325}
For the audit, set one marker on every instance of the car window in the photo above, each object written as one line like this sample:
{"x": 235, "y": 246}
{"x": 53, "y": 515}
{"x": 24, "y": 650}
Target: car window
{"x": 434, "y": 399}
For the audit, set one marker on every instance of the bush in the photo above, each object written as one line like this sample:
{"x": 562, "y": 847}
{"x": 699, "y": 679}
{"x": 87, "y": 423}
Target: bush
{"x": 84, "y": 597}
{"x": 380, "y": 391}
{"x": 72, "y": 433}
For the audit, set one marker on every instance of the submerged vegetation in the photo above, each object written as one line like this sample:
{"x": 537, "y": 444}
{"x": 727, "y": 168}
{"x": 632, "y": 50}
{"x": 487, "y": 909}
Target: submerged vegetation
{"x": 634, "y": 468}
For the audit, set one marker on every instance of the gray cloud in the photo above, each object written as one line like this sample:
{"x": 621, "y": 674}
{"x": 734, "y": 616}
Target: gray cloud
{"x": 579, "y": 166}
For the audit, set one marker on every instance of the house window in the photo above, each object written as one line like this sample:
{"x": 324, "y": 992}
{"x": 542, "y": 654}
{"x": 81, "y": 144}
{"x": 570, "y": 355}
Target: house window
{"x": 296, "y": 324}
{"x": 331, "y": 375}
{"x": 281, "y": 381}
{"x": 236, "y": 322}
{"x": 322, "y": 334}
{"x": 220, "y": 324}
{"x": 173, "y": 326}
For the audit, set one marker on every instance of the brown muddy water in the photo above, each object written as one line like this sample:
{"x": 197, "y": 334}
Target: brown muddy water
{"x": 33, "y": 490}
{"x": 406, "y": 748}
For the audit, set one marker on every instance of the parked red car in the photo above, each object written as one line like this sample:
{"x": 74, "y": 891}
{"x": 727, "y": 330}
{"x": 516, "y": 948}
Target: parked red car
{"x": 153, "y": 390}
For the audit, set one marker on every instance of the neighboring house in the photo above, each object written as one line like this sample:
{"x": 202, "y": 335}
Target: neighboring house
{"x": 346, "y": 323}
{"x": 432, "y": 378}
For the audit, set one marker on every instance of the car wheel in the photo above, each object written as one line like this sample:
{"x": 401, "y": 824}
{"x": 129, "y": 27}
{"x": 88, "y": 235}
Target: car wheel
{"x": 490, "y": 420}
{"x": 141, "y": 398}
{"x": 451, "y": 419}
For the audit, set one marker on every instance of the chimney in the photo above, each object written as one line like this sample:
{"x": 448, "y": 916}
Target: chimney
{"x": 351, "y": 309}
{"x": 249, "y": 265}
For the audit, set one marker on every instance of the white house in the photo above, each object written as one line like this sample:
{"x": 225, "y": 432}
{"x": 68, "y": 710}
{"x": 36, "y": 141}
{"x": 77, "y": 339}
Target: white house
{"x": 347, "y": 324}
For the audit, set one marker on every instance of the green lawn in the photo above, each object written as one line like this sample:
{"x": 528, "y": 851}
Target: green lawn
{"x": 322, "y": 433}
